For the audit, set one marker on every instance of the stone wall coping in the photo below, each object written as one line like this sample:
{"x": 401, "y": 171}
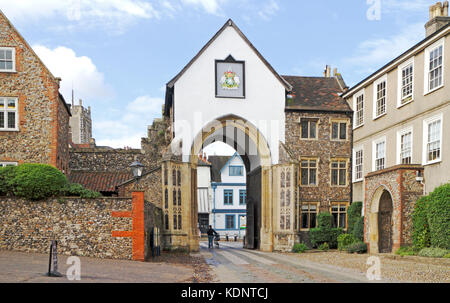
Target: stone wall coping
{"x": 65, "y": 198}
{"x": 395, "y": 167}
{"x": 102, "y": 150}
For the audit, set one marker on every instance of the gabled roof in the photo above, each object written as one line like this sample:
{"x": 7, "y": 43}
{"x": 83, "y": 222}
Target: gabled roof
{"x": 316, "y": 93}
{"x": 217, "y": 162}
{"x": 171, "y": 83}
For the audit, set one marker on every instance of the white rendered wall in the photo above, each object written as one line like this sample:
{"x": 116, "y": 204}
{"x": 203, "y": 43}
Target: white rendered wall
{"x": 195, "y": 104}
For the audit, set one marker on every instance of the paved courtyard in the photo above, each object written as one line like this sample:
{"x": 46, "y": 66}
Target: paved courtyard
{"x": 230, "y": 264}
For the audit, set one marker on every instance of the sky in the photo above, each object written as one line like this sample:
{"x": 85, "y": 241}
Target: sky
{"x": 118, "y": 55}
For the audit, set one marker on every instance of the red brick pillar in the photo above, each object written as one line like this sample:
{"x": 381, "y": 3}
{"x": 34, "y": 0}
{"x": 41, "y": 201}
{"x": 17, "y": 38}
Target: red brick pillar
{"x": 138, "y": 238}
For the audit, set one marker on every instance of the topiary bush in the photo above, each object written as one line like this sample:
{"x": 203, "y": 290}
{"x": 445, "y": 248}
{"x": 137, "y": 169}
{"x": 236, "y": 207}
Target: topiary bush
{"x": 299, "y": 248}
{"x": 7, "y": 174}
{"x": 324, "y": 232}
{"x": 421, "y": 230}
{"x": 357, "y": 247}
{"x": 353, "y": 215}
{"x": 345, "y": 240}
{"x": 358, "y": 229}
{"x": 433, "y": 252}
{"x": 438, "y": 216}
{"x": 37, "y": 181}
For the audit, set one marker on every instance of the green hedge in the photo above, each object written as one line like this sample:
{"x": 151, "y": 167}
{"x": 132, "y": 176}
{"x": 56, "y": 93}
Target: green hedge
{"x": 433, "y": 252}
{"x": 299, "y": 248}
{"x": 324, "y": 233}
{"x": 357, "y": 247}
{"x": 438, "y": 215}
{"x": 37, "y": 181}
{"x": 7, "y": 174}
{"x": 421, "y": 230}
{"x": 77, "y": 190}
{"x": 406, "y": 251}
{"x": 353, "y": 215}
{"x": 358, "y": 229}
{"x": 345, "y": 240}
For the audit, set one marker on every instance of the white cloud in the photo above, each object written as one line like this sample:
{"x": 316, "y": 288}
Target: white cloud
{"x": 114, "y": 13}
{"x": 373, "y": 53}
{"x": 88, "y": 83}
{"x": 269, "y": 9}
{"x": 210, "y": 6}
{"x": 128, "y": 128}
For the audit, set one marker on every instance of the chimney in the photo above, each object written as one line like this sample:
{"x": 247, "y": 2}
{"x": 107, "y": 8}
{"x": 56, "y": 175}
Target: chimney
{"x": 327, "y": 72}
{"x": 438, "y": 18}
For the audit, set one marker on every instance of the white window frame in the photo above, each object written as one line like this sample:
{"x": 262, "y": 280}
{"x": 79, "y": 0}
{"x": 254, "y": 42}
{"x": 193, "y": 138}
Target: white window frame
{"x": 3, "y": 164}
{"x": 375, "y": 99}
{"x": 355, "y": 97}
{"x": 13, "y": 70}
{"x": 5, "y": 110}
{"x": 400, "y": 82}
{"x": 400, "y": 133}
{"x": 426, "y": 122}
{"x": 374, "y": 152}
{"x": 355, "y": 150}
{"x": 426, "y": 82}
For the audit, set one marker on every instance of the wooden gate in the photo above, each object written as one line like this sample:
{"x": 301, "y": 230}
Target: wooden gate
{"x": 385, "y": 223}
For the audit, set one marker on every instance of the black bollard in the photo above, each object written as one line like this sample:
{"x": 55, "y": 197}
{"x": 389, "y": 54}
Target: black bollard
{"x": 53, "y": 259}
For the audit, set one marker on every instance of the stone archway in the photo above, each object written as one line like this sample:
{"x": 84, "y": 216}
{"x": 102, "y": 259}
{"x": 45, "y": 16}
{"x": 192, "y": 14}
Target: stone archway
{"x": 385, "y": 223}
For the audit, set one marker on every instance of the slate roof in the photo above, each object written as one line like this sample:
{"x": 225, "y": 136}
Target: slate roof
{"x": 217, "y": 162}
{"x": 316, "y": 93}
{"x": 99, "y": 181}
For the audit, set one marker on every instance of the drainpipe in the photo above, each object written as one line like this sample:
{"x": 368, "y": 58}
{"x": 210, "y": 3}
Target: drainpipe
{"x": 214, "y": 205}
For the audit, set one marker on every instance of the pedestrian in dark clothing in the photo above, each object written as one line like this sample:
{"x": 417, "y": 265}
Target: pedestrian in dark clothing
{"x": 211, "y": 233}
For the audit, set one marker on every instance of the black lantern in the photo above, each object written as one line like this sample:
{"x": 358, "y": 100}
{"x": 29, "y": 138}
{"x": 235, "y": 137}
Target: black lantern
{"x": 137, "y": 168}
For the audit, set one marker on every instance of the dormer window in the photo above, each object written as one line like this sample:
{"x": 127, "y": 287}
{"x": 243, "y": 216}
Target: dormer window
{"x": 7, "y": 59}
{"x": 236, "y": 171}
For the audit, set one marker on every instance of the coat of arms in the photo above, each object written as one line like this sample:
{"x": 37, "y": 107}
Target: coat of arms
{"x": 230, "y": 80}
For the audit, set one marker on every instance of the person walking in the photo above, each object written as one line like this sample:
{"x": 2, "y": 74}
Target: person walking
{"x": 211, "y": 233}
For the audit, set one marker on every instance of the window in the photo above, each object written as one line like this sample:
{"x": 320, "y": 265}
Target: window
{"x": 358, "y": 162}
{"x": 434, "y": 67}
{"x": 236, "y": 170}
{"x": 308, "y": 128}
{"x": 379, "y": 152}
{"x": 406, "y": 82}
{"x": 7, "y": 59}
{"x": 174, "y": 177}
{"x": 179, "y": 197}
{"x": 338, "y": 130}
{"x": 339, "y": 213}
{"x": 433, "y": 139}
{"x": 8, "y": 113}
{"x": 178, "y": 178}
{"x": 166, "y": 199}
{"x": 308, "y": 215}
{"x": 4, "y": 164}
{"x": 242, "y": 196}
{"x": 308, "y": 172}
{"x": 229, "y": 222}
{"x": 228, "y": 197}
{"x": 179, "y": 222}
{"x": 359, "y": 109}
{"x": 379, "y": 97}
{"x": 166, "y": 221}
{"x": 174, "y": 197}
{"x": 404, "y": 146}
{"x": 338, "y": 172}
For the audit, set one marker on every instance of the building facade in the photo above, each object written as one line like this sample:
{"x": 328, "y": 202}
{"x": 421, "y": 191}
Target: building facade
{"x": 204, "y": 194}
{"x": 228, "y": 215}
{"x": 400, "y": 150}
{"x": 34, "y": 118}
{"x": 81, "y": 123}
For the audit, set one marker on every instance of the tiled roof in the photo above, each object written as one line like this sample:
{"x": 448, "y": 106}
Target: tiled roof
{"x": 99, "y": 181}
{"x": 315, "y": 93}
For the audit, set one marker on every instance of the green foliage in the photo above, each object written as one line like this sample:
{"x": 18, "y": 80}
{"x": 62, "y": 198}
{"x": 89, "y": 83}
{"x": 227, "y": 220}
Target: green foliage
{"x": 357, "y": 247}
{"x": 438, "y": 215}
{"x": 447, "y": 255}
{"x": 299, "y": 248}
{"x": 353, "y": 214}
{"x": 406, "y": 251}
{"x": 324, "y": 246}
{"x": 433, "y": 252}
{"x": 7, "y": 174}
{"x": 421, "y": 231}
{"x": 325, "y": 232}
{"x": 37, "y": 181}
{"x": 77, "y": 190}
{"x": 345, "y": 240}
{"x": 358, "y": 229}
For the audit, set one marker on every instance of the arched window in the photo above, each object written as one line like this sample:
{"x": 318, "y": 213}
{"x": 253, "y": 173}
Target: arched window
{"x": 166, "y": 176}
{"x": 175, "y": 225}
{"x": 179, "y": 178}
{"x": 174, "y": 197}
{"x": 282, "y": 198}
{"x": 166, "y": 198}
{"x": 179, "y": 222}
{"x": 166, "y": 221}
{"x": 179, "y": 197}
{"x": 174, "y": 177}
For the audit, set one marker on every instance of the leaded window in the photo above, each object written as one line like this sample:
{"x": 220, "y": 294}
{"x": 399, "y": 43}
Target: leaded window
{"x": 308, "y": 128}
{"x": 339, "y": 213}
{"x": 338, "y": 172}
{"x": 308, "y": 215}
{"x": 308, "y": 172}
{"x": 8, "y": 113}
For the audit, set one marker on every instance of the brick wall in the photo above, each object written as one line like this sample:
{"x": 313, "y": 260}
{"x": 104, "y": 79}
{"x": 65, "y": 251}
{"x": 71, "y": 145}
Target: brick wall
{"x": 41, "y": 135}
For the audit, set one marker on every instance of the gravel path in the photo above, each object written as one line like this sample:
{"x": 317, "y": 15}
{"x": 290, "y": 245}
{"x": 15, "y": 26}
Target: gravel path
{"x": 393, "y": 267}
